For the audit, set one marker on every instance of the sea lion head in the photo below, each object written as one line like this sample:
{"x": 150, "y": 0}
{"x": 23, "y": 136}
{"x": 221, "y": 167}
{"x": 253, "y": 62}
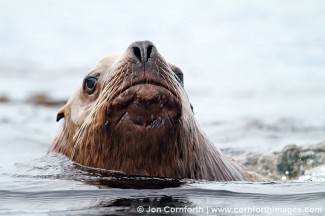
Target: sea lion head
{"x": 128, "y": 115}
{"x": 131, "y": 114}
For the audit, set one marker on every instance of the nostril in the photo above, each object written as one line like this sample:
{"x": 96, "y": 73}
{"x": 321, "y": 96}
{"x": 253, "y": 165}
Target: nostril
{"x": 142, "y": 50}
{"x": 149, "y": 50}
{"x": 137, "y": 52}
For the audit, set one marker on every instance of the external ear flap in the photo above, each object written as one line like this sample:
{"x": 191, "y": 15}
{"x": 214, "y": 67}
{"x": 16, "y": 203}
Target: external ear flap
{"x": 60, "y": 114}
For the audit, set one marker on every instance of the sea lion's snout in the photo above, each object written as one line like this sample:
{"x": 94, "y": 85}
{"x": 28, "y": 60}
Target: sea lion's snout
{"x": 147, "y": 98}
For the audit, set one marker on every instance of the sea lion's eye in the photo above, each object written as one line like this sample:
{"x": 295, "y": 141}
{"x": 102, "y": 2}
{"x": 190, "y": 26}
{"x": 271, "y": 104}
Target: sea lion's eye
{"x": 90, "y": 84}
{"x": 179, "y": 77}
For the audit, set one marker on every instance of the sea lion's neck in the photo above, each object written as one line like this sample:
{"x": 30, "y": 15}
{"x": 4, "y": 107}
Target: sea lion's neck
{"x": 183, "y": 153}
{"x": 144, "y": 154}
{"x": 133, "y": 154}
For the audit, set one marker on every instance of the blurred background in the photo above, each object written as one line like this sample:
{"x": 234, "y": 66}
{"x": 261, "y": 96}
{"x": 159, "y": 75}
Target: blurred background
{"x": 254, "y": 70}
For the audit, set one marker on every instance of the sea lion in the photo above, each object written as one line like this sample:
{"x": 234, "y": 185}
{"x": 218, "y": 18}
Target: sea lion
{"x": 132, "y": 114}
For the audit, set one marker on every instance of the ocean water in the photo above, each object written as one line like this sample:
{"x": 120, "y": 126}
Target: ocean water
{"x": 254, "y": 72}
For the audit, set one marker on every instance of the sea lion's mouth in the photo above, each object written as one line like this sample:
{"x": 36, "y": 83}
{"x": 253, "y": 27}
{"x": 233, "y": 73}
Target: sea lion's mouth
{"x": 144, "y": 82}
{"x": 144, "y": 105}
